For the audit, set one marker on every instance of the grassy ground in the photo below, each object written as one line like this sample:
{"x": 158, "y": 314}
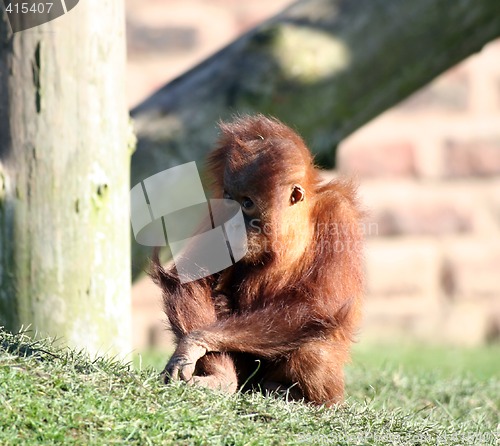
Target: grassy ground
{"x": 397, "y": 395}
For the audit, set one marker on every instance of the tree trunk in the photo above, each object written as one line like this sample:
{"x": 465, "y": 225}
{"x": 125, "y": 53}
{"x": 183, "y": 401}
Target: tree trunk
{"x": 64, "y": 179}
{"x": 325, "y": 67}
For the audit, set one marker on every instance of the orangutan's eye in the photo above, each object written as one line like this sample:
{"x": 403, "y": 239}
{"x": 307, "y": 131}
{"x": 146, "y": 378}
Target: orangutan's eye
{"x": 247, "y": 204}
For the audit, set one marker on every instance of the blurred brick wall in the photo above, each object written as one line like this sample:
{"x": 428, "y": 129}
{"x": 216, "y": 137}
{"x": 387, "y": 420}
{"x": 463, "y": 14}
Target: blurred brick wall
{"x": 429, "y": 174}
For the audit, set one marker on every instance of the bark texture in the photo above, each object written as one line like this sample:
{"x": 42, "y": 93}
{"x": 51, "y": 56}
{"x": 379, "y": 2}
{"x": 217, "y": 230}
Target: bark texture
{"x": 64, "y": 179}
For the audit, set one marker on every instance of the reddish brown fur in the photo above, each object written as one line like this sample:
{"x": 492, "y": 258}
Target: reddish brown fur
{"x": 294, "y": 301}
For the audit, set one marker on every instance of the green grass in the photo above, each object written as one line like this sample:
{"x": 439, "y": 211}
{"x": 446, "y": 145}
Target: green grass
{"x": 446, "y": 362}
{"x": 397, "y": 395}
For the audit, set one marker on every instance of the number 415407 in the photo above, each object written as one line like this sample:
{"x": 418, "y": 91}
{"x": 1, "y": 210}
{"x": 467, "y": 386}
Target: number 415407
{"x": 25, "y": 8}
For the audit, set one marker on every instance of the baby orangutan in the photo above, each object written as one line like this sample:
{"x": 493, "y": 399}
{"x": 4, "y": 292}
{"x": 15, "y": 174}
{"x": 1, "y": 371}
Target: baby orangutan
{"x": 284, "y": 316}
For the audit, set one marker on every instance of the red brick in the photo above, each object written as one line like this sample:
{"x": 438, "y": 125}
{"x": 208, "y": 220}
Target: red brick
{"x": 498, "y": 91}
{"x": 379, "y": 159}
{"x": 494, "y": 201}
{"x": 449, "y": 92}
{"x": 402, "y": 289}
{"x": 472, "y": 269}
{"x": 465, "y": 324}
{"x": 479, "y": 157}
{"x": 407, "y": 268}
{"x": 412, "y": 208}
{"x": 427, "y": 219}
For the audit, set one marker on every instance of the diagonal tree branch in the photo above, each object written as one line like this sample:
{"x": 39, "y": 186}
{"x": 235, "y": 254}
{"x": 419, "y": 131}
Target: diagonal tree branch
{"x": 325, "y": 67}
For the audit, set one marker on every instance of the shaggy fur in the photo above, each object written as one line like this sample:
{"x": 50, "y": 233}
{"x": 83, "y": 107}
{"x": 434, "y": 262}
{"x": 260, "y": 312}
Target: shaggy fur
{"x": 284, "y": 316}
